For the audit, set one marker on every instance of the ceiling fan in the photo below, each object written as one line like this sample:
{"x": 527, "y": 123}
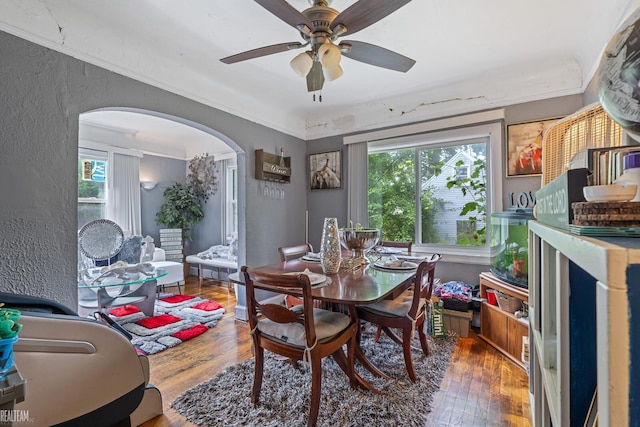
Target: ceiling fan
{"x": 320, "y": 26}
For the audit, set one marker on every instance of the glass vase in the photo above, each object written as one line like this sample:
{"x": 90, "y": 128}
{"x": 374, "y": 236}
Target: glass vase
{"x": 330, "y": 253}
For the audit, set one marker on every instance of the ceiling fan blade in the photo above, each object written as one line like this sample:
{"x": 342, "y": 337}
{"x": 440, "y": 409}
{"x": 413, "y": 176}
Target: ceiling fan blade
{"x": 262, "y": 51}
{"x": 315, "y": 78}
{"x": 286, "y": 12}
{"x": 364, "y": 13}
{"x": 376, "y": 55}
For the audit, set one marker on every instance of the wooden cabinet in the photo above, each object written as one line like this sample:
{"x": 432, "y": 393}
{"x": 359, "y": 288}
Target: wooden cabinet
{"x": 584, "y": 312}
{"x": 499, "y": 328}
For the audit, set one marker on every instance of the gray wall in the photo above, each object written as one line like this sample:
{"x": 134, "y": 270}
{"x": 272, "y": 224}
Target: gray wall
{"x": 43, "y": 93}
{"x": 165, "y": 171}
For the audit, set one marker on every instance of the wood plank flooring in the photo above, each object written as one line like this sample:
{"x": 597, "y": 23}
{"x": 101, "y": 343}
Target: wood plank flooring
{"x": 480, "y": 388}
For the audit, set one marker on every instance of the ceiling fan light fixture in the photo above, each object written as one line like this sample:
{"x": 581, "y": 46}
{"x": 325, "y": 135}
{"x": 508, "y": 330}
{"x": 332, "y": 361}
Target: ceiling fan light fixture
{"x": 332, "y": 73}
{"x": 329, "y": 55}
{"x": 302, "y": 64}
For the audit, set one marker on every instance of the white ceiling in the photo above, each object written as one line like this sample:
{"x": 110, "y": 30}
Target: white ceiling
{"x": 150, "y": 135}
{"x": 471, "y": 55}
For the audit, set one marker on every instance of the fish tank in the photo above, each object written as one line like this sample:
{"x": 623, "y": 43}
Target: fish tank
{"x": 510, "y": 246}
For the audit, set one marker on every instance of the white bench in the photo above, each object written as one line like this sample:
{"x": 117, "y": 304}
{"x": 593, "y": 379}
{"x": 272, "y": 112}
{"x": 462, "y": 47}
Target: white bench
{"x": 217, "y": 263}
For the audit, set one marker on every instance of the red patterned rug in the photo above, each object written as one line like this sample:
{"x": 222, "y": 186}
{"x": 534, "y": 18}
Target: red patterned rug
{"x": 178, "y": 318}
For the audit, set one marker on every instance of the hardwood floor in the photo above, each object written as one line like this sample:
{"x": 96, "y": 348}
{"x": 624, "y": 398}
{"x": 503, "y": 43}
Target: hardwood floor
{"x": 480, "y": 388}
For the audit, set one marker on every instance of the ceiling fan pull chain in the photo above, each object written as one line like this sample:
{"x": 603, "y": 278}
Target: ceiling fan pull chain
{"x": 320, "y": 97}
{"x": 314, "y": 97}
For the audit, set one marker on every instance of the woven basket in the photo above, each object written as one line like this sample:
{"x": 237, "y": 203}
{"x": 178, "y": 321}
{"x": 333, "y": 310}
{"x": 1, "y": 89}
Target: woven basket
{"x": 507, "y": 302}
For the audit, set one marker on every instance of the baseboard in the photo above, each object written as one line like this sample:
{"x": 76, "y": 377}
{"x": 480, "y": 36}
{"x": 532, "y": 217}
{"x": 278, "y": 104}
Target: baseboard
{"x": 240, "y": 313}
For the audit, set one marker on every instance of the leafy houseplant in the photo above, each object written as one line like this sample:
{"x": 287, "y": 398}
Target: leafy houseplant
{"x": 182, "y": 208}
{"x": 9, "y": 326}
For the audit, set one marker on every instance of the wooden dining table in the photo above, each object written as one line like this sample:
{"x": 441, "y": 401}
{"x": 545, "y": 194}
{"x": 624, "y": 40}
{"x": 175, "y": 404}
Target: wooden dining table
{"x": 349, "y": 288}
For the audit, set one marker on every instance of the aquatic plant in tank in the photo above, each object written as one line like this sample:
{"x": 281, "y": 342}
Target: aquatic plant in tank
{"x": 510, "y": 246}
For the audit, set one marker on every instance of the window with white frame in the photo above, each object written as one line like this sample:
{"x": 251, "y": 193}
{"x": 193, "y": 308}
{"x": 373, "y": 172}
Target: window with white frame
{"x": 461, "y": 172}
{"x": 92, "y": 185}
{"x": 417, "y": 194}
{"x": 415, "y": 187}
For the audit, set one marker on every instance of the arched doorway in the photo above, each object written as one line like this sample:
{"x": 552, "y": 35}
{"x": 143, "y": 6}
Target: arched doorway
{"x": 166, "y": 143}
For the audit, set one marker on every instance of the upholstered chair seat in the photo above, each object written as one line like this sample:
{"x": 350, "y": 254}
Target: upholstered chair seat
{"x": 327, "y": 324}
{"x": 398, "y": 307}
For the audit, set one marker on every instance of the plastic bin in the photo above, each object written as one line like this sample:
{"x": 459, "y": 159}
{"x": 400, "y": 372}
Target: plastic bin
{"x": 455, "y": 304}
{"x": 458, "y": 321}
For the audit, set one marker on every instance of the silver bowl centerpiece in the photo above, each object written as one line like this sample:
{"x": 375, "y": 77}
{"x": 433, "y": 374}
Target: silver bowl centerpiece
{"x": 359, "y": 240}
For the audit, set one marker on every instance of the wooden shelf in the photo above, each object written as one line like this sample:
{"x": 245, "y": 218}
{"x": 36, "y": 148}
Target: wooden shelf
{"x": 499, "y": 328}
{"x": 584, "y": 311}
{"x": 268, "y": 167}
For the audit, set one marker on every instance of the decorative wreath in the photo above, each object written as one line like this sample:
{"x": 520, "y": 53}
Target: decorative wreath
{"x": 202, "y": 175}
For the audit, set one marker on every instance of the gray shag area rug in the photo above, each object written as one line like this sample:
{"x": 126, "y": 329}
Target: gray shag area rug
{"x": 225, "y": 400}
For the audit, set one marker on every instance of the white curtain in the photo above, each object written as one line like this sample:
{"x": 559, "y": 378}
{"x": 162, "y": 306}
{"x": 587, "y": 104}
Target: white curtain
{"x": 123, "y": 205}
{"x": 358, "y": 184}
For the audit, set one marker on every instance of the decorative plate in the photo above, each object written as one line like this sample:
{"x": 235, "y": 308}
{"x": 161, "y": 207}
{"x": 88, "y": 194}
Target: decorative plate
{"x": 314, "y": 278}
{"x": 406, "y": 265}
{"x": 100, "y": 239}
{"x": 603, "y": 231}
{"x": 308, "y": 258}
{"x": 413, "y": 258}
{"x": 389, "y": 250}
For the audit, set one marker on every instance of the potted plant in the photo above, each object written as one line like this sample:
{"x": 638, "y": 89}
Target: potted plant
{"x": 9, "y": 328}
{"x": 182, "y": 208}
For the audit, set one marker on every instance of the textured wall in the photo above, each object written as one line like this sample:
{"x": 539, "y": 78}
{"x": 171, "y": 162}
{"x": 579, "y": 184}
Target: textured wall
{"x": 42, "y": 93}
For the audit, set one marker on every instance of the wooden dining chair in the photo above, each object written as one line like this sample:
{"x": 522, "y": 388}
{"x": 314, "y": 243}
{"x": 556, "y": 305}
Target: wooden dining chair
{"x": 391, "y": 244}
{"x": 288, "y": 252}
{"x": 407, "y": 312}
{"x": 291, "y": 252}
{"x": 303, "y": 334}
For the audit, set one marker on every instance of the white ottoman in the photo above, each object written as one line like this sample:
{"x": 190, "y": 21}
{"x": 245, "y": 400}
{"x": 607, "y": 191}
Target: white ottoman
{"x": 175, "y": 273}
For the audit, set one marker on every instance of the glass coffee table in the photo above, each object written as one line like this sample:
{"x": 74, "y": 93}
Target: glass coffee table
{"x": 99, "y": 293}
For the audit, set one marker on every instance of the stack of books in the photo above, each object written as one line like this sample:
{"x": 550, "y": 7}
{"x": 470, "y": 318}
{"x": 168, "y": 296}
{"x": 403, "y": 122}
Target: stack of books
{"x": 606, "y": 164}
{"x": 171, "y": 242}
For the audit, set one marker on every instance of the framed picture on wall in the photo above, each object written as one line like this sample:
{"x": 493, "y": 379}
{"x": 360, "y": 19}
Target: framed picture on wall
{"x": 524, "y": 147}
{"x": 325, "y": 170}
